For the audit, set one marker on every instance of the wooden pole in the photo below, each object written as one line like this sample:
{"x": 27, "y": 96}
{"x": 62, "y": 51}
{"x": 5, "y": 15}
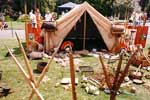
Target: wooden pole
{"x": 26, "y": 60}
{"x": 45, "y": 69}
{"x": 107, "y": 78}
{"x": 114, "y": 93}
{"x": 25, "y": 6}
{"x": 84, "y": 33}
{"x": 26, "y": 76}
{"x": 124, "y": 72}
{"x": 26, "y": 29}
{"x": 117, "y": 72}
{"x": 72, "y": 73}
{"x": 147, "y": 58}
{"x": 12, "y": 29}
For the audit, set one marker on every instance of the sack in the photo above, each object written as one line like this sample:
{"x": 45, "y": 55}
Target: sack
{"x": 35, "y": 55}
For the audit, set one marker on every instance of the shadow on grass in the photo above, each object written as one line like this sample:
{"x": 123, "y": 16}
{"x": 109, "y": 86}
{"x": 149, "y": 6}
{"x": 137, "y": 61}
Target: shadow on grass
{"x": 17, "y": 50}
{"x": 36, "y": 71}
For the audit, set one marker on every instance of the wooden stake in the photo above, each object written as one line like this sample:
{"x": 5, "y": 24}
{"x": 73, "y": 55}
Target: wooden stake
{"x": 114, "y": 93}
{"x": 117, "y": 72}
{"x": 26, "y": 60}
{"x": 26, "y": 76}
{"x": 124, "y": 72}
{"x": 138, "y": 69}
{"x": 107, "y": 78}
{"x": 147, "y": 58}
{"x": 26, "y": 29}
{"x": 45, "y": 69}
{"x": 72, "y": 73}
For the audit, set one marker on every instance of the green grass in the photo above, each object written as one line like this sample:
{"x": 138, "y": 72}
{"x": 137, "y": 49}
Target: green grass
{"x": 14, "y": 79}
{"x": 16, "y": 25}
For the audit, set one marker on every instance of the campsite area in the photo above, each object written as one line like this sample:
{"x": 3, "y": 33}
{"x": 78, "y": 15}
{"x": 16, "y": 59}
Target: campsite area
{"x": 81, "y": 50}
{"x": 13, "y": 79}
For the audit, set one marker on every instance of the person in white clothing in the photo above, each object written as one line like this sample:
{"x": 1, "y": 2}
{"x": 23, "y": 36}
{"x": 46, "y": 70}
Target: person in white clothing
{"x": 138, "y": 18}
{"x": 33, "y": 20}
{"x": 48, "y": 16}
{"x": 30, "y": 13}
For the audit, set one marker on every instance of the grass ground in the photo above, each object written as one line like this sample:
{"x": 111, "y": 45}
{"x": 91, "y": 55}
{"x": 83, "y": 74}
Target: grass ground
{"x": 14, "y": 79}
{"x": 16, "y": 25}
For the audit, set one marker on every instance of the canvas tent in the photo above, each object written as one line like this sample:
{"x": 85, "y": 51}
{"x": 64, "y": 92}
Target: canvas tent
{"x": 68, "y": 21}
{"x": 66, "y": 7}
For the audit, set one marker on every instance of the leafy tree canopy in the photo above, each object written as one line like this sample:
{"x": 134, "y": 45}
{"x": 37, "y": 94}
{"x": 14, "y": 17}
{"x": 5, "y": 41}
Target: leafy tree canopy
{"x": 106, "y": 7}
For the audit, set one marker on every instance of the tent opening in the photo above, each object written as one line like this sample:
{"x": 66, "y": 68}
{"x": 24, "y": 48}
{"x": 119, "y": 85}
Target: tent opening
{"x": 93, "y": 39}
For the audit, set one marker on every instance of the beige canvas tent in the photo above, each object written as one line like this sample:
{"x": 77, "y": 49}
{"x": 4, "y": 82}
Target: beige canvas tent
{"x": 69, "y": 20}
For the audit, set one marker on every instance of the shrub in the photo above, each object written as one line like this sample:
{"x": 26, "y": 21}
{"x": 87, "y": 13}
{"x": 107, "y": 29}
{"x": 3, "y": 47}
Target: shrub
{"x": 7, "y": 18}
{"x": 23, "y": 18}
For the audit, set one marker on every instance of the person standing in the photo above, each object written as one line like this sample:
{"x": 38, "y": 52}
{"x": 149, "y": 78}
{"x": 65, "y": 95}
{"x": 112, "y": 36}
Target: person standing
{"x": 48, "y": 17}
{"x": 138, "y": 18}
{"x": 30, "y": 13}
{"x": 144, "y": 17}
{"x": 39, "y": 22}
{"x": 38, "y": 16}
{"x": 33, "y": 20}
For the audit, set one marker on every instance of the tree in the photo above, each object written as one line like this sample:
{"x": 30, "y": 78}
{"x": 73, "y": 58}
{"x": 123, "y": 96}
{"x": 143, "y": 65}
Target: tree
{"x": 144, "y": 4}
{"x": 123, "y": 8}
{"x": 43, "y": 5}
{"x": 103, "y": 6}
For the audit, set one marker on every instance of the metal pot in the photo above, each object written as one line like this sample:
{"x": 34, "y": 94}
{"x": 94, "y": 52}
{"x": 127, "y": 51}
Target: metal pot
{"x": 41, "y": 66}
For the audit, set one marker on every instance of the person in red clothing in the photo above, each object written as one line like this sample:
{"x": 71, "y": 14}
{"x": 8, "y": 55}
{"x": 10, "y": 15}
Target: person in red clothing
{"x": 37, "y": 30}
{"x": 144, "y": 17}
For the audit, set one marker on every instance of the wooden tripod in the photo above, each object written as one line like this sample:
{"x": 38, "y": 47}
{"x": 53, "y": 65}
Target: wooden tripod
{"x": 118, "y": 78}
{"x": 29, "y": 77}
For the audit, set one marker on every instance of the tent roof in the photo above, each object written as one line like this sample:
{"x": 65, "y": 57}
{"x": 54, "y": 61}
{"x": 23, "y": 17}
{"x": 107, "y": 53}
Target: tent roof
{"x": 68, "y": 5}
{"x": 65, "y": 23}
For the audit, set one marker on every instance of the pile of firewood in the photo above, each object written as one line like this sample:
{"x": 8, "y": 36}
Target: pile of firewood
{"x": 141, "y": 59}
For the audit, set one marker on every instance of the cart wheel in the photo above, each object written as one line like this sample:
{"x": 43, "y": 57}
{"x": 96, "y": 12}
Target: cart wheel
{"x": 66, "y": 45}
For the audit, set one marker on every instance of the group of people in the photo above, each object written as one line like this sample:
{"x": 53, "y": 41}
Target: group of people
{"x": 139, "y": 17}
{"x": 37, "y": 22}
{"x": 35, "y": 17}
